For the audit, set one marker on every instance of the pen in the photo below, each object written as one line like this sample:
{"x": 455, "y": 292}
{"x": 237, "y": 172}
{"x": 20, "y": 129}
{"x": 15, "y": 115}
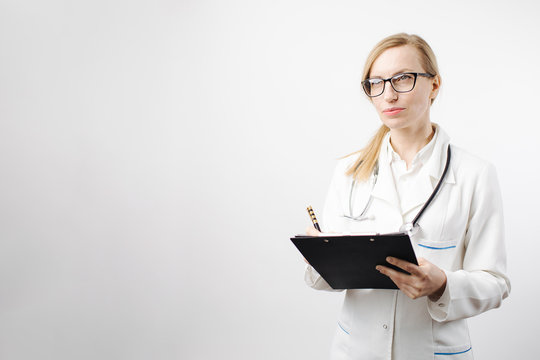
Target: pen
{"x": 313, "y": 218}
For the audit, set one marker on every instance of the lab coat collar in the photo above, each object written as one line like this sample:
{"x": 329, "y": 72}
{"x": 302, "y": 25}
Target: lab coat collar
{"x": 430, "y": 174}
{"x": 385, "y": 188}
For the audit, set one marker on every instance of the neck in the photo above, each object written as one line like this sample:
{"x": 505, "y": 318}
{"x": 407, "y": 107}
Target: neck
{"x": 408, "y": 142}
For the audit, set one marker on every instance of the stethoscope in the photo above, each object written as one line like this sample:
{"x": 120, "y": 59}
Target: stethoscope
{"x": 409, "y": 227}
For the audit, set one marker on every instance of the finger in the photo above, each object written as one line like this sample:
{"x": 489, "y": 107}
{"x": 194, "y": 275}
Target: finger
{"x": 396, "y": 276}
{"x": 311, "y": 231}
{"x": 401, "y": 280}
{"x": 422, "y": 261}
{"x": 407, "y": 284}
{"x": 410, "y": 291}
{"x": 414, "y": 287}
{"x": 405, "y": 265}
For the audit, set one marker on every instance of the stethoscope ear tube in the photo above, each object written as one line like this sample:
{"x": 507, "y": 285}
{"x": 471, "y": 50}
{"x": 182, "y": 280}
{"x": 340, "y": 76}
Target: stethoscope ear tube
{"x": 362, "y": 216}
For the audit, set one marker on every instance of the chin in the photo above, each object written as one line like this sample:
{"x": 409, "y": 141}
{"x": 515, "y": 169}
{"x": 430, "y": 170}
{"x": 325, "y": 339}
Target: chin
{"x": 396, "y": 123}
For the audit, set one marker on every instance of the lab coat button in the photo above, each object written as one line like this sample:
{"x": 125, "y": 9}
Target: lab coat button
{"x": 441, "y": 304}
{"x": 385, "y": 326}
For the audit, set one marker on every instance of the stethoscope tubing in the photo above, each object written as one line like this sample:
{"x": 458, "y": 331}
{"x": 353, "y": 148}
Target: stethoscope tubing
{"x": 436, "y": 190}
{"x": 412, "y": 224}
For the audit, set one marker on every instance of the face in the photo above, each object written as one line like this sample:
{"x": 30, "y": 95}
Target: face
{"x": 403, "y": 110}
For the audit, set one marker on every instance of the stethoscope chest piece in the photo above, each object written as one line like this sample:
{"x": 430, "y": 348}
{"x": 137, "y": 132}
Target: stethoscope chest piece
{"x": 409, "y": 228}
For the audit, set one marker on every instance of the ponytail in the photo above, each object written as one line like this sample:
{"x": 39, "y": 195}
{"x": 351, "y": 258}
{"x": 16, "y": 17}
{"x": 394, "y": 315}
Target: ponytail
{"x": 363, "y": 167}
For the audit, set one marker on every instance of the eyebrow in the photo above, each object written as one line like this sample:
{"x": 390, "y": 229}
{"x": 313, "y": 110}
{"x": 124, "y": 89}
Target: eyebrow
{"x": 397, "y": 72}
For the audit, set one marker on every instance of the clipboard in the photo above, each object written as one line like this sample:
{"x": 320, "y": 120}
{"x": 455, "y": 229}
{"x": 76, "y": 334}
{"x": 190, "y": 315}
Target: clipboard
{"x": 348, "y": 261}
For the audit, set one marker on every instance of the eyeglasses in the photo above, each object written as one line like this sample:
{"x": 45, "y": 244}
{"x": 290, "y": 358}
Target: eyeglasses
{"x": 401, "y": 83}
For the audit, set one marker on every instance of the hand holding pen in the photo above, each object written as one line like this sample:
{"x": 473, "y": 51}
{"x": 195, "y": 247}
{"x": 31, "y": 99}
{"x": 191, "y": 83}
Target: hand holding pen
{"x": 314, "y": 230}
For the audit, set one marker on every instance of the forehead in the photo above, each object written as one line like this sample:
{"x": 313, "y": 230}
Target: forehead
{"x": 397, "y": 59}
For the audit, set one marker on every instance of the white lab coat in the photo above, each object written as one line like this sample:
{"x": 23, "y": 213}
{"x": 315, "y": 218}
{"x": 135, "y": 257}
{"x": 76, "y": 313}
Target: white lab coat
{"x": 462, "y": 232}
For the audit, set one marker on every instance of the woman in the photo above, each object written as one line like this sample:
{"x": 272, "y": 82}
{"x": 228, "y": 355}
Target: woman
{"x": 458, "y": 239}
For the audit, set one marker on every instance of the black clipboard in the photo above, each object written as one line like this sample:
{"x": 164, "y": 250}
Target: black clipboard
{"x": 348, "y": 261}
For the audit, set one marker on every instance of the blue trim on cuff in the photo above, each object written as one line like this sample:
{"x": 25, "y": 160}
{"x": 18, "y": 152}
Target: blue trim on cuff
{"x": 456, "y": 353}
{"x": 341, "y": 327}
{"x": 437, "y": 248}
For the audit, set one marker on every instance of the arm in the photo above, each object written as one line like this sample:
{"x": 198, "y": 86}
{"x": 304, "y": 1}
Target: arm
{"x": 315, "y": 281}
{"x": 311, "y": 276}
{"x": 482, "y": 283}
{"x": 330, "y": 219}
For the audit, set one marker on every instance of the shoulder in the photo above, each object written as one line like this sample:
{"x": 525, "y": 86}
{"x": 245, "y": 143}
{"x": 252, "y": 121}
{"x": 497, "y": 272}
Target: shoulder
{"x": 345, "y": 163}
{"x": 473, "y": 170}
{"x": 339, "y": 178}
{"x": 464, "y": 161}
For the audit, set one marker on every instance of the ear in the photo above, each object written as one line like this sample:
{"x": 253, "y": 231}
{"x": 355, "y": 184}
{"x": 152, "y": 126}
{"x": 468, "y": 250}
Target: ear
{"x": 436, "y": 84}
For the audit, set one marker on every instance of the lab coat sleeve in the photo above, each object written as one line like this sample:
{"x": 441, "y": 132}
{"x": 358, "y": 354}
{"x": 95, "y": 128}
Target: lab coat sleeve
{"x": 330, "y": 223}
{"x": 316, "y": 281}
{"x": 482, "y": 283}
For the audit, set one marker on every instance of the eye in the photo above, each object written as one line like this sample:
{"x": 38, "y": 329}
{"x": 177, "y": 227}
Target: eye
{"x": 375, "y": 81}
{"x": 402, "y": 77}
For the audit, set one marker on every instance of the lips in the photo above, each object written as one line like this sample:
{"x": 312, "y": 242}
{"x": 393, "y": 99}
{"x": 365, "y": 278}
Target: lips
{"x": 393, "y": 110}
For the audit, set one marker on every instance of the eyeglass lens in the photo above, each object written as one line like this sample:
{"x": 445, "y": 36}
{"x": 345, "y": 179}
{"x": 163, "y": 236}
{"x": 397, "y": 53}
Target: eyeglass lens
{"x": 400, "y": 83}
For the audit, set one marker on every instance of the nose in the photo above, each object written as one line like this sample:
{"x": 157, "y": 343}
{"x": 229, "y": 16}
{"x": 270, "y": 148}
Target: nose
{"x": 389, "y": 93}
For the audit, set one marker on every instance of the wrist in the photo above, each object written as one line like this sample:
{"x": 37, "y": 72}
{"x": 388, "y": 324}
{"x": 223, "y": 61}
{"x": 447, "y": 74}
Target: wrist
{"x": 436, "y": 295}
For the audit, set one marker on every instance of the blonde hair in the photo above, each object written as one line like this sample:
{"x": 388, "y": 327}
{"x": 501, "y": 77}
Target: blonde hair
{"x": 368, "y": 156}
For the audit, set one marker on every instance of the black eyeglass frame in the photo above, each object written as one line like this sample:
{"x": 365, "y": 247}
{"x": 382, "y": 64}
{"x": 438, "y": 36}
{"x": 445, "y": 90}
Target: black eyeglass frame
{"x": 416, "y": 74}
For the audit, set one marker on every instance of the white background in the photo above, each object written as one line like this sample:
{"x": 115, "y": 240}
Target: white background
{"x": 155, "y": 157}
